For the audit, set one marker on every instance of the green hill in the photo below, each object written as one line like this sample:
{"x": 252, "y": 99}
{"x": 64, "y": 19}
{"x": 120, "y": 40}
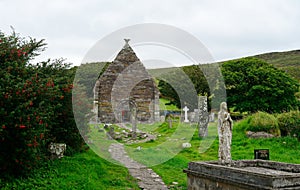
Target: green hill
{"x": 289, "y": 61}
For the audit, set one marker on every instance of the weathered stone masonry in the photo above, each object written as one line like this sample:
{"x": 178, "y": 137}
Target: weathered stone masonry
{"x": 126, "y": 84}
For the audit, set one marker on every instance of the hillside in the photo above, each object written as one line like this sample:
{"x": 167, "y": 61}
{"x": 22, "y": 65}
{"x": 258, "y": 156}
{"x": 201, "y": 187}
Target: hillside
{"x": 289, "y": 61}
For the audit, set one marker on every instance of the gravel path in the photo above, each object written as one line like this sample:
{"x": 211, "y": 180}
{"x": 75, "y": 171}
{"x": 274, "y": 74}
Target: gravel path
{"x": 147, "y": 178}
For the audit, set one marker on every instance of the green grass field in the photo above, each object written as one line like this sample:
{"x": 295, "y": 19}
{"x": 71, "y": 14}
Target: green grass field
{"x": 88, "y": 171}
{"x": 82, "y": 171}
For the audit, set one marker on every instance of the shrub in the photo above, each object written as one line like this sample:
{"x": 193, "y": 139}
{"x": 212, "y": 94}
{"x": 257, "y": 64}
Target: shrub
{"x": 289, "y": 123}
{"x": 24, "y": 120}
{"x": 35, "y": 106}
{"x": 262, "y": 121}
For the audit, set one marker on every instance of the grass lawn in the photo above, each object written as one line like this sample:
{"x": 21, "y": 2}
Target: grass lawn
{"x": 82, "y": 171}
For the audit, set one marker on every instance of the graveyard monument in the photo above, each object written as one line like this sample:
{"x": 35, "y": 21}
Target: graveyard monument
{"x": 225, "y": 134}
{"x": 203, "y": 116}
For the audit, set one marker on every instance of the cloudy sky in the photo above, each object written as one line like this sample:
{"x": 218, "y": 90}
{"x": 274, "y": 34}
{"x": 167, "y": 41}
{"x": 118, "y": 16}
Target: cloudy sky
{"x": 227, "y": 28}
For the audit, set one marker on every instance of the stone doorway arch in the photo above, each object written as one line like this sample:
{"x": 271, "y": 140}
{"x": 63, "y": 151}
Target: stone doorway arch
{"x": 126, "y": 111}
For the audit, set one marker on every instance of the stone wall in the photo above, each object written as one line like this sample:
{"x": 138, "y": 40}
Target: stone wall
{"x": 124, "y": 84}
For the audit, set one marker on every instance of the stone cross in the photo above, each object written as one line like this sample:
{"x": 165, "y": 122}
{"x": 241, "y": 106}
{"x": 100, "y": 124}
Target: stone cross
{"x": 126, "y": 42}
{"x": 170, "y": 121}
{"x": 133, "y": 121}
{"x": 203, "y": 116}
{"x": 185, "y": 109}
{"x": 225, "y": 135}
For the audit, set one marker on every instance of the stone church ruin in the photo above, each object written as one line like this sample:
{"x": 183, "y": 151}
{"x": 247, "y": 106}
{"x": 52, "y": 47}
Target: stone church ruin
{"x": 125, "y": 89}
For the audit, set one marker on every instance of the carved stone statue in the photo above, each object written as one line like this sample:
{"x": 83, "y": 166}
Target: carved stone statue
{"x": 225, "y": 134}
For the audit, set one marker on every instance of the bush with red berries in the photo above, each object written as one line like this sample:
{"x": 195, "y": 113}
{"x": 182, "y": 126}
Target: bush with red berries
{"x": 35, "y": 105}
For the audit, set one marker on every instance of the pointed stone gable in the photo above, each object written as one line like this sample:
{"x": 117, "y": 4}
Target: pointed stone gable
{"x": 124, "y": 84}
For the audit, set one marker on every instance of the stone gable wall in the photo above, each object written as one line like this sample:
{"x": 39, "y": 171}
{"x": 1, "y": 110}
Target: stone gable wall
{"x": 126, "y": 80}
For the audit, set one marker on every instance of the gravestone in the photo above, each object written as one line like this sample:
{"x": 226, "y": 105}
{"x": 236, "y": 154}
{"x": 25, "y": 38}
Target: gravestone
{"x": 196, "y": 117}
{"x": 133, "y": 121}
{"x": 57, "y": 150}
{"x": 170, "y": 121}
{"x": 225, "y": 134}
{"x": 262, "y": 154}
{"x": 212, "y": 117}
{"x": 186, "y": 109}
{"x": 203, "y": 116}
{"x": 192, "y": 116}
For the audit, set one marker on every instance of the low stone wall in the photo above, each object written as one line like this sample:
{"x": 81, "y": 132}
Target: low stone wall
{"x": 243, "y": 175}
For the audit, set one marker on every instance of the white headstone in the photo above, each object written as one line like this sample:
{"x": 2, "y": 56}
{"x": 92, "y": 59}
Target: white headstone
{"x": 185, "y": 109}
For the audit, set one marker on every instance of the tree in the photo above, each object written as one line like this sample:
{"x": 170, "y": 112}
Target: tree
{"x": 181, "y": 86}
{"x": 254, "y": 85}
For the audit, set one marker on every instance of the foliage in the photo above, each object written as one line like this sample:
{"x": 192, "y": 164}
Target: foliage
{"x": 168, "y": 92}
{"x": 262, "y": 121}
{"x": 196, "y": 75}
{"x": 164, "y": 104}
{"x": 289, "y": 123}
{"x": 24, "y": 119}
{"x": 35, "y": 103}
{"x": 87, "y": 75}
{"x": 254, "y": 85}
{"x": 181, "y": 86}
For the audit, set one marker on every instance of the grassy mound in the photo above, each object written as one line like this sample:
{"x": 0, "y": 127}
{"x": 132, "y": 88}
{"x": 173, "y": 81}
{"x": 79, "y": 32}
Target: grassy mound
{"x": 262, "y": 121}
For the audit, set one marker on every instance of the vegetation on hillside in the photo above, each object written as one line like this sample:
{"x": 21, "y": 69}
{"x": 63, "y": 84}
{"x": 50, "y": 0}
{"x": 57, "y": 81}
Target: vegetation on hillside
{"x": 288, "y": 61}
{"x": 253, "y": 85}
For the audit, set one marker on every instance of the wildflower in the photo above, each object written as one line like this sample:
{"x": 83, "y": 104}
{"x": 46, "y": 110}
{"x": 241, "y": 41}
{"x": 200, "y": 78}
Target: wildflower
{"x": 19, "y": 52}
{"x": 22, "y": 126}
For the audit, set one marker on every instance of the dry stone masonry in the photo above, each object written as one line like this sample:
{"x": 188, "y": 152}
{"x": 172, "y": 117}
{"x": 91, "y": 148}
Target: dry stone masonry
{"x": 124, "y": 84}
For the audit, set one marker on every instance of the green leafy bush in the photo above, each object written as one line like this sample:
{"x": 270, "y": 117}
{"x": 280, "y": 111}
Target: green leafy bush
{"x": 262, "y": 121}
{"x": 289, "y": 123}
{"x": 254, "y": 85}
{"x": 35, "y": 106}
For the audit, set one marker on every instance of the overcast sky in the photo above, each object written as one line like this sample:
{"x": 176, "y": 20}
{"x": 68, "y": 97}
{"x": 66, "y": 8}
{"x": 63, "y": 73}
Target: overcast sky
{"x": 228, "y": 28}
